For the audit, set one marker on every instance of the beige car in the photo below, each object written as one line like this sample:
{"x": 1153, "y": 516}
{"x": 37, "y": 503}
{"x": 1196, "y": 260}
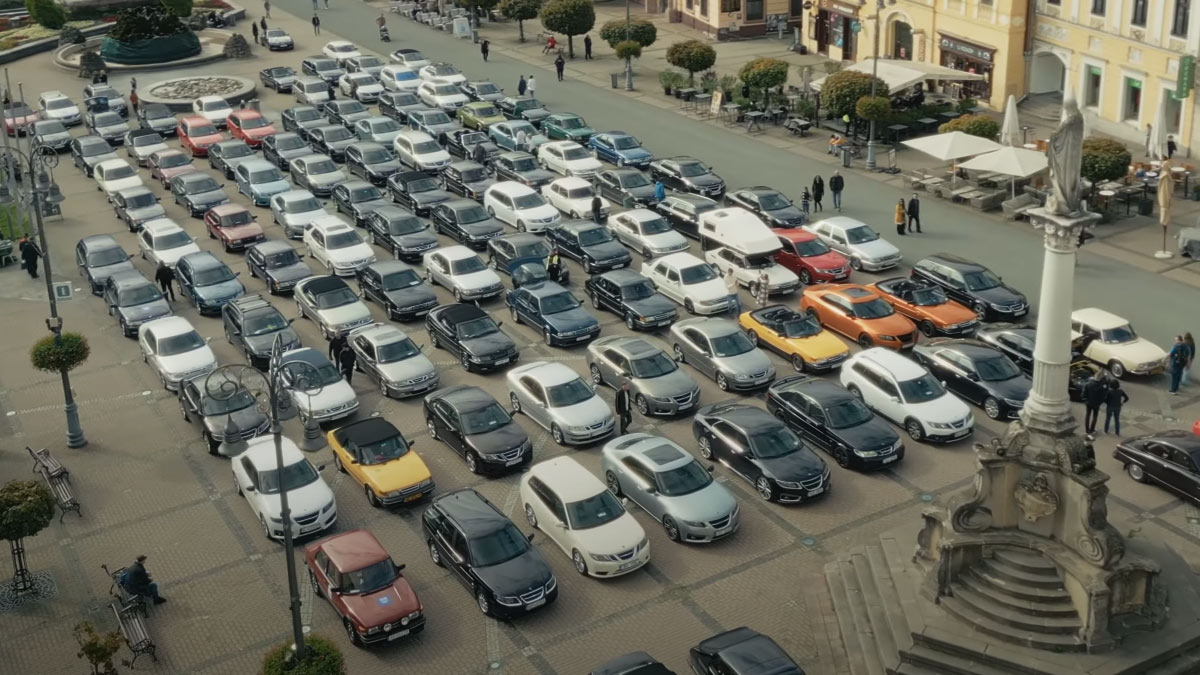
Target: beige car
{"x": 1115, "y": 345}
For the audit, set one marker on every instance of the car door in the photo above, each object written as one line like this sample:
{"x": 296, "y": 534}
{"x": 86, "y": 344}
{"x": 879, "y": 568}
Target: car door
{"x": 888, "y": 399}
{"x": 533, "y": 400}
{"x": 550, "y": 508}
{"x": 814, "y": 422}
{"x": 318, "y": 248}
{"x": 437, "y": 270}
{"x": 669, "y": 282}
{"x": 233, "y": 325}
{"x": 189, "y": 399}
{"x": 723, "y": 442}
{"x": 608, "y": 294}
{"x": 625, "y": 230}
{"x": 1180, "y": 473}
{"x": 503, "y": 205}
{"x": 612, "y": 366}
{"x": 367, "y": 358}
{"x": 836, "y": 313}
{"x": 1018, "y": 349}
{"x": 956, "y": 286}
{"x": 962, "y": 377}
{"x": 525, "y": 308}
{"x": 696, "y": 349}
{"x": 147, "y": 342}
{"x": 247, "y": 479}
{"x": 372, "y": 286}
{"x": 639, "y": 486}
{"x": 445, "y": 419}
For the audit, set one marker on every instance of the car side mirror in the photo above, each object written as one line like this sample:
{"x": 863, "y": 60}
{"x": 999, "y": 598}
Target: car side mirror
{"x": 943, "y": 383}
{"x": 235, "y": 331}
{"x": 335, "y": 589}
{"x": 974, "y": 377}
{"x": 529, "y": 537}
{"x": 291, "y": 321}
{"x": 624, "y": 373}
{"x": 237, "y": 274}
{"x": 249, "y": 488}
{"x": 410, "y": 443}
{"x": 709, "y": 468}
{"x": 320, "y": 467}
{"x": 560, "y": 524}
{"x": 894, "y": 399}
{"x": 208, "y": 339}
{"x": 400, "y": 567}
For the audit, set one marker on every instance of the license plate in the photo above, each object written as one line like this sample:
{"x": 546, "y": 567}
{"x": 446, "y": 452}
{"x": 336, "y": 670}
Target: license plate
{"x": 814, "y": 493}
{"x": 629, "y": 565}
{"x": 891, "y": 459}
{"x": 960, "y": 434}
{"x": 723, "y": 531}
{"x": 535, "y": 604}
{"x": 310, "y": 528}
{"x": 501, "y": 362}
{"x": 398, "y": 634}
{"x": 413, "y": 498}
{"x": 581, "y": 338}
{"x": 513, "y": 461}
{"x": 422, "y": 312}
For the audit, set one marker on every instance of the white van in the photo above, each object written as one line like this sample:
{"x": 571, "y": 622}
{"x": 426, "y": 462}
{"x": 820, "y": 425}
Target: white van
{"x": 734, "y": 238}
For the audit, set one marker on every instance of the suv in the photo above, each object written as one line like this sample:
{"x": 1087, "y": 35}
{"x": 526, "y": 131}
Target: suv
{"x": 901, "y": 390}
{"x": 973, "y": 285}
{"x": 252, "y": 324}
{"x": 488, "y": 554}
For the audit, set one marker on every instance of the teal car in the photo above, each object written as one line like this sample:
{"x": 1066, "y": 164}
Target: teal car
{"x": 480, "y": 115}
{"x": 567, "y": 127}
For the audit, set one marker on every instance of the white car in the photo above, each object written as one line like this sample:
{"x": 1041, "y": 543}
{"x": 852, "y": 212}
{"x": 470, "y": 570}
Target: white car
{"x": 340, "y": 50}
{"x": 573, "y": 196}
{"x": 316, "y": 386}
{"x": 410, "y": 58}
{"x": 568, "y": 158}
{"x": 337, "y": 246}
{"x": 520, "y": 206}
{"x": 140, "y": 144}
{"x": 294, "y": 210}
{"x": 362, "y": 86}
{"x": 418, "y": 150}
{"x": 397, "y": 77}
{"x": 747, "y": 270}
{"x": 173, "y": 348}
{"x": 441, "y": 71}
{"x": 55, "y": 105}
{"x": 901, "y": 390}
{"x": 578, "y": 513}
{"x": 212, "y": 108}
{"x": 442, "y": 94}
{"x": 258, "y": 478}
{"x": 331, "y": 304}
{"x": 460, "y": 271}
{"x": 689, "y": 281}
{"x": 647, "y": 232}
{"x": 858, "y": 242}
{"x": 1114, "y": 344}
{"x": 164, "y": 241}
{"x": 115, "y": 175}
{"x": 557, "y": 398}
{"x": 277, "y": 38}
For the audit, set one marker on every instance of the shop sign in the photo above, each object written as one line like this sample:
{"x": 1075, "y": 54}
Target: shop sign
{"x": 969, "y": 50}
{"x": 1185, "y": 77}
{"x": 848, "y": 10}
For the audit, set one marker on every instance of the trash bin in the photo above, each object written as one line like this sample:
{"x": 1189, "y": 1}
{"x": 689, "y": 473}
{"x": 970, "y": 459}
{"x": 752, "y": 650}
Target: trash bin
{"x": 616, "y": 77}
{"x": 1145, "y": 207}
{"x": 845, "y": 156}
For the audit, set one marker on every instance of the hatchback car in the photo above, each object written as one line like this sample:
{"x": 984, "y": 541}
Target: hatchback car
{"x": 176, "y": 352}
{"x": 476, "y": 427}
{"x": 197, "y": 192}
{"x": 397, "y": 288}
{"x": 252, "y": 324}
{"x": 259, "y": 475}
{"x": 276, "y": 263}
{"x": 1167, "y": 459}
{"x": 657, "y": 386}
{"x": 554, "y": 396}
{"x": 720, "y": 349}
{"x": 906, "y": 393}
{"x": 632, "y": 297}
{"x": 226, "y": 410}
{"x": 98, "y": 257}
{"x": 389, "y": 357}
{"x": 331, "y": 304}
{"x": 973, "y": 285}
{"x": 836, "y": 421}
{"x": 133, "y": 300}
{"x": 978, "y": 374}
{"x": 928, "y": 306}
{"x": 858, "y": 242}
{"x": 207, "y": 282}
{"x": 381, "y": 461}
{"x": 469, "y": 333}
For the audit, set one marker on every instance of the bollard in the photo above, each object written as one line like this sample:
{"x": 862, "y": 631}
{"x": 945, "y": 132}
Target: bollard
{"x": 313, "y": 440}
{"x": 615, "y": 78}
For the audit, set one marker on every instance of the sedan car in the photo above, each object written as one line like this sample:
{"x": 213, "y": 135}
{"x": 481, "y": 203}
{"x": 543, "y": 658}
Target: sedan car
{"x": 317, "y": 173}
{"x": 397, "y": 105}
{"x": 762, "y": 450}
{"x": 259, "y": 477}
{"x": 372, "y": 162}
{"x": 467, "y": 178}
{"x": 316, "y": 387}
{"x": 137, "y": 206}
{"x": 632, "y": 297}
{"x": 796, "y": 337}
{"x": 133, "y": 300}
{"x": 56, "y": 106}
{"x": 646, "y": 232}
{"x": 656, "y": 384}
{"x": 89, "y": 151}
{"x": 568, "y": 158}
{"x": 836, "y": 420}
{"x": 554, "y": 396}
{"x": 512, "y": 250}
{"x": 472, "y": 335}
{"x": 357, "y": 199}
{"x": 158, "y": 117}
{"x": 576, "y": 198}
{"x": 520, "y": 167}
{"x": 331, "y": 140}
{"x": 166, "y": 164}
{"x": 684, "y": 211}
{"x": 1115, "y": 344}
{"x": 621, "y": 149}
{"x": 341, "y": 50}
{"x": 689, "y": 281}
{"x": 475, "y": 426}
{"x": 973, "y": 285}
{"x": 741, "y": 651}
{"x": 19, "y": 118}
{"x": 860, "y": 314}
{"x": 98, "y": 257}
{"x": 397, "y": 288}
{"x": 566, "y": 127}
{"x": 590, "y": 244}
{"x": 770, "y": 205}
{"x": 107, "y": 125}
{"x": 116, "y": 100}
{"x": 294, "y": 210}
{"x": 279, "y": 78}
{"x": 410, "y": 57}
{"x": 516, "y": 136}
{"x": 278, "y": 264}
{"x": 260, "y": 180}
{"x": 416, "y": 191}
{"x": 465, "y": 221}
{"x": 978, "y": 374}
{"x": 162, "y": 241}
{"x": 249, "y": 126}
{"x": 176, "y": 352}
{"x": 552, "y": 311}
{"x": 252, "y": 325}
{"x": 431, "y": 121}
{"x": 480, "y": 115}
{"x": 234, "y": 226}
{"x": 301, "y": 118}
{"x": 720, "y": 349}
{"x": 197, "y": 135}
{"x": 442, "y": 95}
{"x": 377, "y": 129}
{"x": 327, "y": 69}
{"x": 927, "y": 305}
{"x": 215, "y": 109}
{"x": 460, "y": 271}
{"x": 858, "y": 242}
{"x": 225, "y": 156}
{"x": 280, "y": 149}
{"x": 115, "y": 175}
{"x": 361, "y": 87}
{"x": 197, "y": 192}
{"x": 277, "y": 39}
{"x": 365, "y": 63}
{"x": 331, "y": 304}
{"x": 51, "y": 135}
{"x": 226, "y": 410}
{"x": 482, "y": 91}
{"x": 519, "y": 206}
{"x": 633, "y": 663}
{"x": 399, "y": 232}
{"x": 441, "y": 71}
{"x": 388, "y": 356}
{"x": 468, "y": 144}
{"x": 207, "y": 282}
{"x": 526, "y": 108}
{"x": 627, "y": 186}
{"x": 687, "y": 174}
{"x": 1167, "y": 459}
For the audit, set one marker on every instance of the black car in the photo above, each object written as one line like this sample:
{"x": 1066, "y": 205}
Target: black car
{"x": 590, "y": 244}
{"x": 617, "y": 185}
{"x": 88, "y": 151}
{"x": 741, "y": 651}
{"x": 207, "y": 282}
{"x": 462, "y": 142}
{"x": 687, "y": 174}
{"x": 762, "y": 450}
{"x": 197, "y": 192}
{"x": 472, "y": 335}
{"x": 978, "y": 373}
{"x": 482, "y": 91}
{"x": 467, "y": 178}
{"x": 279, "y": 78}
{"x": 134, "y": 300}
{"x": 50, "y": 135}
{"x": 226, "y": 155}
{"x": 278, "y": 264}
{"x": 523, "y": 108}
{"x": 632, "y": 297}
{"x": 280, "y": 149}
{"x": 487, "y": 554}
{"x": 973, "y": 285}
{"x": 769, "y": 204}
{"x": 323, "y": 67}
{"x": 227, "y": 411}
{"x": 299, "y": 119}
{"x": 552, "y": 311}
{"x": 634, "y": 663}
{"x": 252, "y": 324}
{"x": 466, "y": 222}
{"x": 1166, "y": 458}
{"x": 478, "y": 428}
{"x": 522, "y": 168}
{"x": 331, "y": 140}
{"x": 417, "y": 191}
{"x": 158, "y": 117}
{"x": 515, "y": 249}
{"x": 684, "y": 211}
{"x": 396, "y": 104}
{"x": 357, "y": 199}
{"x": 399, "y": 232}
{"x": 372, "y": 162}
{"x": 345, "y": 112}
{"x": 836, "y": 420}
{"x": 397, "y": 288}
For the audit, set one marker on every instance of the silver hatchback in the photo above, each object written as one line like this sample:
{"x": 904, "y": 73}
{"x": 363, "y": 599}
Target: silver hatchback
{"x": 657, "y": 385}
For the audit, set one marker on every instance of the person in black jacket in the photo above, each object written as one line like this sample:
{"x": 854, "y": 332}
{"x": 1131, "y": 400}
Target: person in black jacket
{"x": 30, "y": 255}
{"x": 597, "y": 209}
{"x": 165, "y": 276}
{"x": 336, "y": 345}
{"x": 137, "y": 581}
{"x": 836, "y": 185}
{"x": 914, "y": 213}
{"x": 1095, "y": 393}
{"x": 624, "y": 412}
{"x": 587, "y": 47}
{"x": 818, "y": 192}
{"x": 346, "y": 361}
{"x": 1114, "y": 398}
{"x": 559, "y": 65}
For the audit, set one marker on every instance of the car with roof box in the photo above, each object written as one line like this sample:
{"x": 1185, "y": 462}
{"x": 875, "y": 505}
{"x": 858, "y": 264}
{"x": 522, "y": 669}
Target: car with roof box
{"x": 467, "y": 178}
{"x": 176, "y": 352}
{"x": 520, "y": 167}
{"x": 299, "y": 119}
{"x": 552, "y": 311}
{"x": 416, "y": 191}
{"x": 88, "y": 151}
{"x": 294, "y": 210}
{"x": 331, "y": 140}
{"x": 197, "y": 135}
{"x": 163, "y": 241}
{"x": 973, "y": 285}
{"x": 858, "y": 242}
{"x": 98, "y": 257}
{"x": 262, "y": 471}
{"x": 477, "y": 428}
{"x": 253, "y": 324}
{"x": 832, "y": 418}
{"x": 279, "y": 78}
{"x": 134, "y": 300}
{"x": 397, "y": 105}
{"x": 720, "y": 349}
{"x": 632, "y": 297}
{"x": 860, "y": 314}
{"x": 507, "y": 136}
{"x": 331, "y": 304}
{"x": 166, "y": 164}
{"x": 249, "y": 126}
{"x": 469, "y": 333}
{"x": 771, "y": 205}
{"x": 389, "y": 357}
{"x": 656, "y": 384}
{"x": 316, "y": 173}
{"x": 520, "y": 206}
{"x": 928, "y": 306}
{"x": 316, "y": 386}
{"x": 158, "y": 117}
{"x": 207, "y": 282}
{"x": 357, "y": 199}
{"x": 684, "y": 210}
{"x": 904, "y": 392}
{"x": 278, "y": 264}
{"x": 810, "y": 258}
{"x": 741, "y": 651}
{"x": 50, "y": 134}
{"x": 137, "y": 206}
{"x": 226, "y": 410}
{"x": 459, "y": 270}
{"x": 377, "y": 129}
{"x": 977, "y": 373}
{"x": 647, "y": 232}
{"x": 398, "y": 289}
{"x": 797, "y": 337}
{"x": 590, "y": 244}
{"x": 234, "y": 226}
{"x": 400, "y": 233}
{"x": 260, "y": 180}
{"x": 734, "y": 239}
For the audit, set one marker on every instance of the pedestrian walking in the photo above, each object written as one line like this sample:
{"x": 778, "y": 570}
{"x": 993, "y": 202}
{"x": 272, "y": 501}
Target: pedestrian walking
{"x": 597, "y": 209}
{"x": 587, "y": 47}
{"x": 326, "y": 4}
{"x": 266, "y": 9}
{"x": 818, "y": 192}
{"x": 484, "y": 48}
{"x": 165, "y": 276}
{"x": 731, "y": 287}
{"x": 262, "y": 23}
{"x": 133, "y": 102}
{"x": 133, "y": 84}
{"x": 624, "y": 409}
{"x": 762, "y": 289}
{"x": 137, "y": 581}
{"x": 1095, "y": 393}
{"x": 522, "y": 139}
{"x": 901, "y": 217}
{"x": 836, "y": 185}
{"x": 660, "y": 191}
{"x": 346, "y": 361}
{"x": 522, "y": 86}
{"x": 479, "y": 154}
{"x": 1172, "y": 148}
{"x": 532, "y": 87}
{"x": 380, "y": 22}
{"x": 254, "y": 32}
{"x": 1191, "y": 353}
{"x": 1177, "y": 360}
{"x": 30, "y": 256}
{"x": 805, "y": 198}
{"x": 914, "y": 213}
{"x": 336, "y": 345}
{"x": 1114, "y": 399}
{"x": 316, "y": 21}
{"x": 559, "y": 65}
{"x": 315, "y": 5}
{"x": 554, "y": 267}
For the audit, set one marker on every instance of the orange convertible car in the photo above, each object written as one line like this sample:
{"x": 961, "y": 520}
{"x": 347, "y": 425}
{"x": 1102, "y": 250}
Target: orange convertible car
{"x": 860, "y": 314}
{"x": 928, "y": 306}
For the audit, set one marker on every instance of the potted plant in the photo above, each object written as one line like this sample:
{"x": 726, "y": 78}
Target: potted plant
{"x": 669, "y": 79}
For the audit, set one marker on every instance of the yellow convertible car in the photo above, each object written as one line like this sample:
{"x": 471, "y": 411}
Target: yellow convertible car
{"x": 378, "y": 457}
{"x": 798, "y": 337}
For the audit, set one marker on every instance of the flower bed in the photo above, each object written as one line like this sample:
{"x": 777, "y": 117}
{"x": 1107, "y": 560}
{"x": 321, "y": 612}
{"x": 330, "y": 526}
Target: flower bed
{"x": 16, "y": 36}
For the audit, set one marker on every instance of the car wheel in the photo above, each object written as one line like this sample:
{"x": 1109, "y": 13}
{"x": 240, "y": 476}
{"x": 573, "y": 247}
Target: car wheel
{"x": 266, "y": 530}
{"x": 352, "y": 633}
{"x": 597, "y": 378}
{"x": 372, "y": 498}
{"x": 587, "y": 266}
{"x": 530, "y": 517}
{"x": 546, "y": 337}
{"x": 722, "y": 383}
{"x": 629, "y": 322}
{"x": 764, "y": 489}
{"x": 337, "y": 463}
{"x": 458, "y": 296}
{"x": 805, "y": 276}
{"x": 856, "y": 264}
{"x": 753, "y": 337}
{"x": 1117, "y": 369}
{"x": 515, "y": 316}
{"x": 991, "y": 407}
{"x": 706, "y": 448}
{"x": 312, "y": 581}
{"x": 798, "y": 363}
{"x": 671, "y": 528}
{"x": 212, "y": 443}
{"x": 1135, "y": 472}
{"x": 678, "y": 352}
{"x": 520, "y": 226}
{"x": 842, "y": 457}
{"x": 643, "y": 406}
{"x": 434, "y": 555}
{"x": 864, "y": 341}
{"x": 370, "y": 237}
{"x": 556, "y": 433}
{"x": 433, "y": 434}
{"x": 472, "y": 462}
{"x": 646, "y": 253}
{"x": 980, "y": 309}
{"x": 465, "y": 361}
{"x": 580, "y": 563}
{"x": 516, "y": 403}
{"x": 433, "y": 340}
{"x": 914, "y": 429}
{"x": 927, "y": 328}
{"x": 482, "y": 601}
{"x": 853, "y": 389}
{"x": 687, "y": 305}
{"x": 329, "y": 269}
{"x": 594, "y": 300}
{"x": 614, "y": 485}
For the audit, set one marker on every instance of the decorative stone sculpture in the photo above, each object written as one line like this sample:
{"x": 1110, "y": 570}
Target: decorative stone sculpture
{"x": 1066, "y": 158}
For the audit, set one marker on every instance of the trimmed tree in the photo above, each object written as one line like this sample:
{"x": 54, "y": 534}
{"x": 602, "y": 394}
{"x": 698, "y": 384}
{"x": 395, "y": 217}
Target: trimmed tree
{"x": 641, "y": 31}
{"x": 873, "y": 109}
{"x": 59, "y": 353}
{"x": 628, "y": 49}
{"x": 321, "y": 657}
{"x": 975, "y": 125}
{"x": 842, "y": 90}
{"x": 70, "y": 35}
{"x": 763, "y": 75}
{"x": 47, "y": 13}
{"x": 1104, "y": 159}
{"x": 520, "y": 11}
{"x": 569, "y": 17}
{"x": 692, "y": 56}
{"x": 26, "y": 508}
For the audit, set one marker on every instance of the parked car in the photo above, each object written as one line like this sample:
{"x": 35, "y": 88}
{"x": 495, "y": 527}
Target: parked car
{"x": 331, "y": 140}
{"x": 358, "y": 199}
{"x": 365, "y": 63}
{"x": 56, "y": 106}
{"x": 972, "y": 285}
{"x": 362, "y": 87}
{"x": 294, "y": 210}
{"x": 260, "y": 180}
{"x": 771, "y": 205}
{"x": 441, "y": 71}
{"x": 316, "y": 386}
{"x": 345, "y": 112}
{"x": 134, "y": 300}
{"x": 633, "y": 663}
{"x": 213, "y": 108}
{"x": 469, "y": 333}
{"x": 378, "y": 129}
{"x": 249, "y": 126}
{"x": 927, "y": 305}
{"x": 331, "y": 304}
{"x": 137, "y": 206}
{"x": 139, "y": 143}
{"x": 106, "y": 124}
{"x": 1166, "y": 458}
{"x": 278, "y": 264}
{"x": 197, "y": 135}
{"x": 323, "y": 67}
{"x": 507, "y": 136}
{"x": 373, "y": 162}
{"x": 420, "y": 152}
{"x": 684, "y": 210}
{"x": 277, "y": 39}
{"x": 567, "y": 127}
{"x": 860, "y": 314}
{"x": 482, "y": 90}
{"x": 377, "y": 456}
{"x": 552, "y": 311}
{"x": 467, "y": 178}
{"x": 442, "y": 95}
{"x": 858, "y": 242}
{"x": 197, "y": 192}
{"x": 158, "y": 117}
{"x": 796, "y": 337}
{"x": 207, "y": 282}
{"x": 98, "y": 257}
{"x": 466, "y": 222}
{"x": 525, "y": 108}
{"x": 522, "y": 168}
{"x": 574, "y": 197}
{"x": 907, "y": 394}
{"x": 115, "y": 175}
{"x": 431, "y": 121}
{"x": 397, "y": 288}
{"x": 466, "y": 143}
{"x": 19, "y": 118}
{"x": 460, "y": 271}
{"x": 720, "y": 349}
{"x": 687, "y": 174}
{"x": 226, "y": 410}
{"x": 162, "y": 241}
{"x": 397, "y": 104}
{"x": 689, "y": 281}
{"x": 279, "y": 78}
{"x": 166, "y": 164}
{"x": 741, "y": 651}
{"x": 626, "y": 185}
{"x": 632, "y": 297}
{"x": 234, "y": 226}
{"x": 252, "y": 325}
{"x": 657, "y": 386}
{"x": 341, "y": 51}
{"x": 620, "y": 148}
{"x": 316, "y": 173}
{"x": 301, "y": 118}
{"x": 520, "y": 206}
{"x": 590, "y": 244}
{"x": 1115, "y": 344}
{"x": 836, "y": 421}
{"x": 314, "y": 91}
{"x": 410, "y": 58}
{"x": 337, "y": 246}
{"x": 978, "y": 374}
{"x": 416, "y": 191}
{"x": 504, "y": 253}
{"x": 259, "y": 474}
{"x": 89, "y": 151}
{"x": 388, "y": 356}
{"x": 477, "y": 428}
{"x": 173, "y": 348}
{"x": 647, "y": 233}
{"x": 568, "y": 158}
{"x": 116, "y": 100}
{"x": 479, "y": 115}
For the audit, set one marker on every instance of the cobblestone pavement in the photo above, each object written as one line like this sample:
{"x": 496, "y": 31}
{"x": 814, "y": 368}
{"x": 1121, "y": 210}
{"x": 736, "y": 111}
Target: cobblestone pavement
{"x": 148, "y": 486}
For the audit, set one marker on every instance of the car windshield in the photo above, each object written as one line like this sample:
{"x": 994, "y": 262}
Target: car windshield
{"x": 293, "y": 477}
{"x": 201, "y": 130}
{"x": 105, "y": 91}
{"x": 365, "y": 193}
{"x": 405, "y": 225}
{"x": 138, "y": 295}
{"x": 282, "y": 259}
{"x": 922, "y": 389}
{"x": 278, "y": 32}
{"x": 335, "y": 298}
{"x": 980, "y": 280}
{"x": 404, "y": 75}
{"x": 59, "y": 104}
{"x": 861, "y": 235}
{"x": 559, "y": 302}
{"x": 322, "y": 166}
{"x": 474, "y": 175}
{"x": 524, "y": 164}
{"x": 362, "y": 78}
{"x": 485, "y": 88}
{"x": 637, "y": 291}
{"x": 370, "y": 578}
{"x": 849, "y": 413}
{"x": 384, "y": 451}
{"x": 213, "y": 275}
{"x": 343, "y": 240}
{"x": 421, "y": 185}
{"x": 117, "y": 172}
{"x": 474, "y": 328}
{"x": 875, "y": 308}
{"x": 486, "y": 111}
{"x": 625, "y": 142}
{"x": 812, "y": 247}
{"x": 731, "y": 345}
{"x": 655, "y": 365}
{"x": 634, "y": 180}
{"x": 337, "y": 134}
{"x": 528, "y": 201}
{"x": 399, "y": 350}
{"x": 773, "y": 201}
{"x": 200, "y": 184}
{"x": 183, "y": 343}
{"x": 801, "y": 327}
{"x": 324, "y": 376}
{"x": 402, "y": 279}
{"x": 384, "y": 126}
{"x": 996, "y": 369}
{"x": 1118, "y": 335}
{"x": 928, "y": 297}
{"x": 173, "y": 159}
{"x": 472, "y": 138}
{"x": 426, "y": 147}
{"x": 211, "y": 106}
{"x": 498, "y": 546}
{"x": 683, "y": 480}
{"x": 578, "y": 152}
{"x": 51, "y": 127}
{"x": 304, "y": 205}
{"x": 18, "y": 110}
{"x": 224, "y": 404}
{"x": 581, "y": 192}
{"x": 655, "y": 226}
{"x": 697, "y": 274}
{"x": 270, "y": 175}
{"x": 108, "y": 256}
{"x": 775, "y": 441}
{"x": 379, "y": 155}
{"x": 289, "y": 143}
{"x": 437, "y": 117}
{"x": 306, "y": 115}
{"x": 527, "y": 104}
{"x": 471, "y": 214}
{"x": 535, "y": 248}
{"x": 263, "y": 323}
{"x": 571, "y": 123}
{"x": 594, "y": 236}
{"x": 446, "y": 90}
{"x": 171, "y": 240}
{"x": 236, "y": 218}
{"x": 255, "y": 122}
{"x": 325, "y": 64}
{"x": 594, "y": 511}
{"x": 98, "y": 148}
{"x": 466, "y": 265}
{"x": 569, "y": 393}
{"x": 344, "y": 47}
{"x": 693, "y": 169}
{"x": 486, "y": 419}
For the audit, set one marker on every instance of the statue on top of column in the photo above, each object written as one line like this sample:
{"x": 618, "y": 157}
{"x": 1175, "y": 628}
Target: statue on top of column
{"x": 1065, "y": 158}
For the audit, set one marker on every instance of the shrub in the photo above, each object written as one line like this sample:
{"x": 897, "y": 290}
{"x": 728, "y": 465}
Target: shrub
{"x": 629, "y": 49}
{"x": 70, "y": 35}
{"x": 145, "y": 22}
{"x": 569, "y": 17}
{"x": 874, "y": 109}
{"x": 56, "y": 354}
{"x": 965, "y": 105}
{"x": 46, "y": 13}
{"x": 180, "y": 8}
{"x": 708, "y": 81}
{"x": 236, "y": 47}
{"x": 641, "y": 31}
{"x": 520, "y": 11}
{"x": 98, "y": 649}
{"x": 90, "y": 63}
{"x": 692, "y": 56}
{"x": 975, "y": 125}
{"x": 842, "y": 90}
{"x": 322, "y": 658}
{"x": 764, "y": 74}
{"x": 670, "y": 79}
{"x": 1104, "y": 159}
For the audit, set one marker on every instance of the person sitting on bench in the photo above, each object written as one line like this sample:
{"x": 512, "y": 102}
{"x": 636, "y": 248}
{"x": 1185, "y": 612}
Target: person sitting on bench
{"x": 551, "y": 43}
{"x": 137, "y": 580}
{"x": 836, "y": 142}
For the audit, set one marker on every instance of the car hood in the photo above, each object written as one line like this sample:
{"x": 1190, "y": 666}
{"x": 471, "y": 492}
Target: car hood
{"x": 708, "y": 503}
{"x": 633, "y": 154}
{"x": 479, "y": 186}
{"x": 1014, "y": 388}
{"x": 538, "y": 176}
{"x": 416, "y": 239}
{"x": 210, "y": 197}
{"x": 57, "y": 139}
{"x": 389, "y": 167}
{"x": 293, "y": 153}
{"x": 665, "y": 239}
{"x": 331, "y": 178}
{"x": 245, "y": 419}
{"x": 945, "y": 409}
{"x": 524, "y": 573}
{"x": 336, "y": 316}
{"x": 172, "y": 255}
{"x": 387, "y": 605}
{"x": 247, "y": 231}
{"x": 481, "y": 279}
{"x": 400, "y": 371}
{"x": 342, "y": 144}
{"x": 822, "y": 345}
{"x": 224, "y": 289}
{"x": 488, "y": 344}
{"x": 1000, "y": 295}
{"x": 535, "y": 115}
{"x": 170, "y": 172}
{"x": 753, "y": 361}
{"x": 497, "y": 440}
{"x": 1140, "y": 350}
{"x": 674, "y": 383}
{"x": 272, "y": 188}
{"x": 430, "y": 197}
{"x": 705, "y": 290}
{"x": 616, "y": 536}
{"x": 572, "y": 319}
{"x": 606, "y": 251}
{"x": 644, "y": 192}
{"x": 338, "y": 393}
{"x": 302, "y": 218}
{"x": 145, "y": 311}
{"x": 160, "y": 123}
{"x": 413, "y": 295}
{"x": 396, "y": 474}
{"x": 308, "y": 499}
{"x": 234, "y": 162}
{"x": 261, "y": 344}
{"x": 587, "y": 413}
{"x": 788, "y": 214}
{"x": 797, "y": 466}
{"x": 651, "y": 306}
{"x": 143, "y": 151}
{"x": 363, "y": 208}
{"x": 100, "y": 274}
{"x": 895, "y": 324}
{"x": 293, "y": 272}
{"x": 827, "y": 261}
{"x": 93, "y": 160}
{"x": 187, "y": 362}
{"x": 483, "y": 227}
{"x": 704, "y": 180}
{"x": 874, "y": 434}
{"x": 147, "y": 212}
{"x": 875, "y": 250}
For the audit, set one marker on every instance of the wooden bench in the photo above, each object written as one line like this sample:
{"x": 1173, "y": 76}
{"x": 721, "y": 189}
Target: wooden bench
{"x": 133, "y": 629}
{"x": 60, "y": 487}
{"x": 117, "y": 590}
{"x": 49, "y": 465}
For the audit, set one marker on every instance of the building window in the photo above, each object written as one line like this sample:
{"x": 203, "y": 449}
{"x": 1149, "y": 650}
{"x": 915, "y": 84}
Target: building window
{"x": 1179, "y": 22}
{"x": 1091, "y": 86}
{"x": 754, "y": 10}
{"x": 796, "y": 8}
{"x": 704, "y": 7}
{"x": 1056, "y": 3}
{"x": 689, "y": 5}
{"x": 1133, "y": 100}
{"x": 1139, "y": 13}
{"x": 1098, "y": 7}
{"x": 1173, "y": 111}
{"x": 986, "y": 3}
{"x": 730, "y": 6}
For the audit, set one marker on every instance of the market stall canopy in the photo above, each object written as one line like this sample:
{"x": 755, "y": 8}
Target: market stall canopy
{"x": 901, "y": 75}
{"x": 954, "y": 145}
{"x": 1010, "y": 161}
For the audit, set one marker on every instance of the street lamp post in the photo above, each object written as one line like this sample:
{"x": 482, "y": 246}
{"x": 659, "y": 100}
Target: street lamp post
{"x": 628, "y": 59}
{"x": 871, "y": 142}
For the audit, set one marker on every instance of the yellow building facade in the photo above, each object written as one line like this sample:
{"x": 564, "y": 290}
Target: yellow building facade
{"x": 736, "y": 18}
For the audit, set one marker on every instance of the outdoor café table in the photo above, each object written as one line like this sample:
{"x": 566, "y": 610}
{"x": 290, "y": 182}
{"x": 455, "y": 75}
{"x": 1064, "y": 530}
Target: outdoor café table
{"x": 927, "y": 123}
{"x": 897, "y": 130}
{"x": 1030, "y": 146}
{"x": 931, "y": 183}
{"x": 957, "y": 195}
{"x": 753, "y": 122}
{"x": 702, "y": 102}
{"x": 793, "y": 100}
{"x": 685, "y": 97}
{"x": 729, "y": 112}
{"x": 1177, "y": 171}
{"x": 1108, "y": 198}
{"x": 951, "y": 116}
{"x": 968, "y": 196}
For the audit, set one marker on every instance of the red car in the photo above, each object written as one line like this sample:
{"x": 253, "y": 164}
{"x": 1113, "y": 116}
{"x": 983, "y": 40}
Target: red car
{"x": 17, "y": 118}
{"x": 233, "y": 225}
{"x": 197, "y": 134}
{"x": 810, "y": 258}
{"x": 166, "y": 164}
{"x": 366, "y": 589}
{"x": 249, "y": 125}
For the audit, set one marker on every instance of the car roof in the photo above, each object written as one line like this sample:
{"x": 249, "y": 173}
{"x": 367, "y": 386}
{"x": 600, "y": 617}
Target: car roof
{"x": 899, "y": 366}
{"x": 386, "y": 267}
{"x": 202, "y": 260}
{"x": 471, "y": 511}
{"x": 744, "y": 416}
{"x": 972, "y": 349}
{"x": 193, "y": 177}
{"x": 522, "y": 239}
{"x": 367, "y": 431}
{"x": 134, "y": 191}
{"x": 630, "y": 345}
{"x": 92, "y": 139}
{"x": 194, "y": 119}
{"x": 839, "y": 222}
{"x": 330, "y": 223}
{"x": 99, "y": 241}
{"x": 170, "y": 325}
{"x": 578, "y": 226}
{"x": 641, "y": 215}
{"x": 353, "y": 550}
{"x": 460, "y": 204}
{"x": 465, "y": 398}
{"x": 269, "y": 246}
{"x": 571, "y": 182}
{"x": 855, "y": 293}
{"x": 660, "y": 453}
{"x": 679, "y": 260}
{"x": 564, "y": 475}
{"x": 136, "y": 133}
{"x": 110, "y": 163}
{"x": 161, "y": 226}
{"x": 380, "y": 333}
{"x": 511, "y": 187}
{"x": 256, "y": 164}
{"x": 624, "y": 277}
{"x": 456, "y": 252}
{"x": 127, "y": 279}
{"x": 748, "y": 652}
{"x": 460, "y": 312}
{"x": 294, "y": 195}
{"x": 951, "y": 260}
{"x": 227, "y": 209}
{"x": 691, "y": 198}
{"x": 542, "y": 289}
{"x": 251, "y": 302}
{"x": 260, "y": 451}
{"x": 324, "y": 284}
{"x": 826, "y": 392}
{"x": 246, "y": 113}
{"x": 1098, "y": 318}
{"x": 1180, "y": 438}
{"x": 305, "y": 355}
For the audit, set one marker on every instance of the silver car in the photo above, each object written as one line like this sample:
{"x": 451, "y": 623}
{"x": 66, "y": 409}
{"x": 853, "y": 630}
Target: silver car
{"x": 378, "y": 129}
{"x": 554, "y": 396}
{"x": 720, "y": 349}
{"x": 387, "y": 355}
{"x": 671, "y": 486}
{"x": 294, "y": 210}
{"x": 141, "y": 143}
{"x": 317, "y": 174}
{"x": 656, "y": 383}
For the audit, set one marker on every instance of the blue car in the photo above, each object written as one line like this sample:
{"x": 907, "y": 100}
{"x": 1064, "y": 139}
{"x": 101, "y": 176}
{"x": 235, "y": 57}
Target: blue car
{"x": 260, "y": 180}
{"x": 552, "y": 309}
{"x": 621, "y": 149}
{"x": 207, "y": 282}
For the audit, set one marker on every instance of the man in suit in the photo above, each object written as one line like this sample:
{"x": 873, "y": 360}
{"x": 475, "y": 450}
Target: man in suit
{"x": 914, "y": 213}
{"x": 624, "y": 410}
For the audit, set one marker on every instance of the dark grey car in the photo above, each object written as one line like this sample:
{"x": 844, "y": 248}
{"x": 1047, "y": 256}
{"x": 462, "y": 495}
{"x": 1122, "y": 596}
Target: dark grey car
{"x": 398, "y": 289}
{"x": 282, "y": 148}
{"x": 137, "y": 205}
{"x": 372, "y": 162}
{"x": 252, "y": 324}
{"x": 197, "y": 192}
{"x": 226, "y": 155}
{"x": 656, "y": 383}
{"x": 99, "y": 257}
{"x": 278, "y": 264}
{"x": 404, "y": 235}
{"x": 134, "y": 300}
{"x": 226, "y": 410}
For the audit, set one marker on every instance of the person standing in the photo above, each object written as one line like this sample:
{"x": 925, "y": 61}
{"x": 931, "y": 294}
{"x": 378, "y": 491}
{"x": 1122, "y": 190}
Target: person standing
{"x": 553, "y": 265}
{"x": 1177, "y": 360}
{"x": 1172, "y": 148}
{"x": 587, "y": 47}
{"x": 762, "y": 289}
{"x": 133, "y": 101}
{"x": 1191, "y": 354}
{"x": 262, "y": 23}
{"x": 624, "y": 410}
{"x": 484, "y": 48}
{"x": 30, "y": 256}
{"x": 254, "y": 32}
{"x": 326, "y": 4}
{"x": 1114, "y": 398}
{"x": 133, "y": 84}
{"x": 805, "y": 198}
{"x": 1095, "y": 392}
{"x": 266, "y": 9}
{"x": 479, "y": 154}
{"x": 660, "y": 191}
{"x": 900, "y": 217}
{"x": 315, "y": 6}
{"x": 522, "y": 139}
{"x": 165, "y": 276}
{"x": 818, "y": 191}
{"x": 836, "y": 185}
{"x": 731, "y": 287}
{"x": 532, "y": 87}
{"x": 336, "y": 345}
{"x": 137, "y": 581}
{"x": 559, "y": 65}
{"x": 597, "y": 209}
{"x": 522, "y": 86}
{"x": 347, "y": 359}
{"x": 316, "y": 20}
{"x": 914, "y": 213}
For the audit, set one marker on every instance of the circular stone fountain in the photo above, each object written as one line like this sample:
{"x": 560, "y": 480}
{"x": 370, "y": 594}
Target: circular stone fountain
{"x": 178, "y": 93}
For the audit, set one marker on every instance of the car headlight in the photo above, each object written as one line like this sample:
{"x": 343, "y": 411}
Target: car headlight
{"x": 693, "y": 523}
{"x": 412, "y": 616}
{"x": 995, "y": 306}
{"x": 887, "y": 338}
{"x": 508, "y": 600}
{"x": 552, "y": 584}
{"x": 602, "y": 557}
{"x": 939, "y": 425}
{"x": 1014, "y": 402}
{"x": 788, "y": 484}
{"x": 867, "y": 453}
{"x": 643, "y": 543}
{"x": 577, "y": 430}
{"x": 1149, "y": 365}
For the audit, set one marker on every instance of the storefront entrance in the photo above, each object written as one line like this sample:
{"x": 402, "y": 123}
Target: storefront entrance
{"x": 902, "y": 41}
{"x": 969, "y": 58}
{"x": 834, "y": 32}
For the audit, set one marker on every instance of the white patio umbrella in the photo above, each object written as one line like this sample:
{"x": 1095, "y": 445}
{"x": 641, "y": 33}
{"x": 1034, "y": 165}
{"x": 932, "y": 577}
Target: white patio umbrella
{"x": 951, "y": 146}
{"x": 1010, "y": 161}
{"x": 1157, "y": 139}
{"x": 1010, "y": 130}
{"x": 1166, "y": 194}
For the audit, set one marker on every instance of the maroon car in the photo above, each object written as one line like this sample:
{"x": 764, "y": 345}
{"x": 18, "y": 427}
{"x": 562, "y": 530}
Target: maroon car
{"x": 367, "y": 590}
{"x": 166, "y": 164}
{"x": 17, "y": 118}
{"x": 234, "y": 226}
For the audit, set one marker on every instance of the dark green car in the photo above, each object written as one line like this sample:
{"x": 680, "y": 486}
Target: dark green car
{"x": 567, "y": 127}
